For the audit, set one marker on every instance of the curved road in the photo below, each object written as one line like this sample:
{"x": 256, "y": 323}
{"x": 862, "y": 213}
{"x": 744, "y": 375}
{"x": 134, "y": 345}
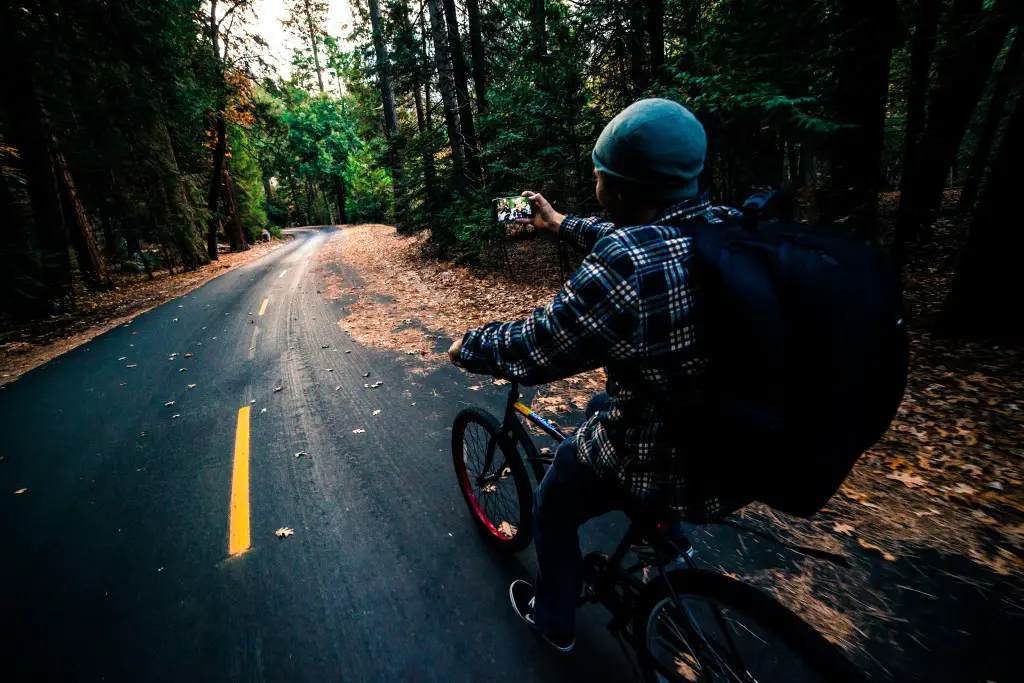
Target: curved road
{"x": 116, "y": 560}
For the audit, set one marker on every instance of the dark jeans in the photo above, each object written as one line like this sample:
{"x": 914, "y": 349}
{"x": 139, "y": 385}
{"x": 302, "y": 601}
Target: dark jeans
{"x": 569, "y": 495}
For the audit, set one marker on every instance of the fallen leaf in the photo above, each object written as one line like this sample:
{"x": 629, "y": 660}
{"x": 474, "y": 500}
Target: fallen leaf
{"x": 348, "y": 352}
{"x": 188, "y": 355}
{"x": 2, "y": 458}
{"x": 20, "y": 491}
{"x": 142, "y": 434}
{"x": 284, "y": 531}
{"x": 123, "y": 358}
{"x": 132, "y": 366}
{"x": 842, "y": 528}
{"x": 122, "y": 384}
{"x": 366, "y": 374}
{"x": 252, "y": 402}
{"x": 277, "y": 389}
{"x": 330, "y": 369}
{"x": 376, "y": 384}
{"x": 182, "y": 369}
{"x": 191, "y": 386}
{"x": 168, "y": 404}
{"x": 501, "y": 381}
{"x": 337, "y": 388}
{"x": 263, "y": 410}
{"x": 475, "y": 388}
{"x": 175, "y": 416}
{"x": 327, "y": 346}
{"x": 871, "y": 546}
{"x": 911, "y": 480}
{"x": 300, "y": 454}
{"x": 358, "y": 431}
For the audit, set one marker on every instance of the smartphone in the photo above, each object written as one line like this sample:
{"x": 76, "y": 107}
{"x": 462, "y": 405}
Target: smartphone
{"x": 512, "y": 209}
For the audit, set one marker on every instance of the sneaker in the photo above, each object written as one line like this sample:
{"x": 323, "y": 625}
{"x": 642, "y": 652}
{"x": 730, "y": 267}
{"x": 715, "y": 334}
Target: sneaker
{"x": 521, "y": 594}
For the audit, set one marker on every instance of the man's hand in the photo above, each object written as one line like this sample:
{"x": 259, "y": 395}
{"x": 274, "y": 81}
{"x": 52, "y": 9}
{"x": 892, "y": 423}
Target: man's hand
{"x": 544, "y": 216}
{"x": 454, "y": 350}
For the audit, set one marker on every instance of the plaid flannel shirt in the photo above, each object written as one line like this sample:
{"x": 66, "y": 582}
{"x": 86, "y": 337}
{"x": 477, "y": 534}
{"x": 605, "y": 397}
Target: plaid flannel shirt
{"x": 629, "y": 308}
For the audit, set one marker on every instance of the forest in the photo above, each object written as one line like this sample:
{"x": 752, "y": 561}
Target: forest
{"x": 140, "y": 136}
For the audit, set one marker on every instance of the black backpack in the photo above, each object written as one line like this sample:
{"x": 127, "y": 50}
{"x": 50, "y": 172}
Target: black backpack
{"x": 807, "y": 348}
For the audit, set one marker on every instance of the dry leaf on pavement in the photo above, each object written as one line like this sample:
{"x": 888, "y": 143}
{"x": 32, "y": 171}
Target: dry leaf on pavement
{"x": 300, "y": 454}
{"x": 843, "y": 528}
{"x": 188, "y": 355}
{"x": 377, "y": 412}
{"x": 474, "y": 388}
{"x": 168, "y": 404}
{"x": 132, "y": 366}
{"x": 191, "y": 386}
{"x": 871, "y": 546}
{"x": 175, "y": 416}
{"x": 284, "y": 531}
{"x": 358, "y": 431}
{"x": 911, "y": 480}
{"x": 277, "y": 389}
{"x": 20, "y": 491}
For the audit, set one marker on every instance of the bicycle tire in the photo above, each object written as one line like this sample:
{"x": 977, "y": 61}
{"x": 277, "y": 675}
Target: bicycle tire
{"x": 520, "y": 540}
{"x": 822, "y": 658}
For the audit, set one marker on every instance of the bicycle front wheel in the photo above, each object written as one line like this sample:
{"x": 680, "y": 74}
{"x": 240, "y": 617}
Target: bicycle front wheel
{"x": 730, "y": 632}
{"x": 493, "y": 481}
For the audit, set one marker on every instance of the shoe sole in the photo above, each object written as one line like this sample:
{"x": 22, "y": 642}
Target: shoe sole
{"x": 533, "y": 626}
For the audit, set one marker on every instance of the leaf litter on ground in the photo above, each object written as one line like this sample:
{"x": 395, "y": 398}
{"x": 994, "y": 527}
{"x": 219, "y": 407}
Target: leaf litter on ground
{"x": 284, "y": 531}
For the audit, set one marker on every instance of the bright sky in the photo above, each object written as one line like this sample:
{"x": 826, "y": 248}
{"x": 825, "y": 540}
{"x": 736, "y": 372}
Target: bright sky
{"x": 267, "y": 23}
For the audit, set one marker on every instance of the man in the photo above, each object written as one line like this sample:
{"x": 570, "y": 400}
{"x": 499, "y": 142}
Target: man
{"x": 632, "y": 308}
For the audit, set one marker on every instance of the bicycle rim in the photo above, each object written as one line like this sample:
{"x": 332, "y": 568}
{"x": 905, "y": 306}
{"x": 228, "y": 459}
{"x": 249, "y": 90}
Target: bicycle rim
{"x": 711, "y": 642}
{"x": 488, "y": 483}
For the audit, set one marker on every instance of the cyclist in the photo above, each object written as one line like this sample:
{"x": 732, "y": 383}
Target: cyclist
{"x": 629, "y": 308}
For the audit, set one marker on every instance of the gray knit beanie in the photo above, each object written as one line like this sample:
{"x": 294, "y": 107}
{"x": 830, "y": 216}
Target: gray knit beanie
{"x": 657, "y": 144}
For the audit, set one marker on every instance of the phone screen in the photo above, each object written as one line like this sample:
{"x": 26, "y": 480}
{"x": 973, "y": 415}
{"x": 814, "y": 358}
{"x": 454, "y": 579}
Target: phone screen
{"x": 511, "y": 209}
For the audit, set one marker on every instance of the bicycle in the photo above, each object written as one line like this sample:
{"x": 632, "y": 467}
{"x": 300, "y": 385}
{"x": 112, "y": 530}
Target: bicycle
{"x": 684, "y": 623}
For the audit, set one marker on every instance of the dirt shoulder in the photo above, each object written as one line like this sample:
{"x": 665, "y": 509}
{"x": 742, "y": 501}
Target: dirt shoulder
{"x": 27, "y": 345}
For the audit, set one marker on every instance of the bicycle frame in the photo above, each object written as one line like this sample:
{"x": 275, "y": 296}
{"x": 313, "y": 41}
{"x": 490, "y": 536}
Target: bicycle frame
{"x": 666, "y": 553}
{"x": 513, "y": 406}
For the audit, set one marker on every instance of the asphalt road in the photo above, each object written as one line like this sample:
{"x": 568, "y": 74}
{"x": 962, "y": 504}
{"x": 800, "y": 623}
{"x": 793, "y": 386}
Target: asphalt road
{"x": 116, "y": 564}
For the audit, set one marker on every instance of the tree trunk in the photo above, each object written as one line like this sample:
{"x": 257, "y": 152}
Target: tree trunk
{"x": 476, "y": 46}
{"x": 179, "y": 204}
{"x": 926, "y": 25}
{"x": 429, "y": 172}
{"x": 637, "y": 50}
{"x": 295, "y": 199}
{"x": 448, "y": 97}
{"x": 27, "y": 129}
{"x": 458, "y": 57}
{"x": 656, "y": 35}
{"x": 390, "y": 121}
{"x": 993, "y": 117}
{"x": 989, "y": 274}
{"x": 220, "y": 144}
{"x": 866, "y": 34}
{"x": 235, "y": 230}
{"x": 339, "y": 198}
{"x": 313, "y": 41}
{"x": 537, "y": 24}
{"x": 962, "y": 68}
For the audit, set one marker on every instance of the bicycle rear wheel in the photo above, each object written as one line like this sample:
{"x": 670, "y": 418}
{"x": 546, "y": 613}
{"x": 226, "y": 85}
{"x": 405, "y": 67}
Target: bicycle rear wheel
{"x": 728, "y": 632}
{"x": 493, "y": 481}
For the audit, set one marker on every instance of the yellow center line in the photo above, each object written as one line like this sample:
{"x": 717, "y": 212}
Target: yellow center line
{"x": 252, "y": 344}
{"x": 238, "y": 524}
{"x": 263, "y": 308}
